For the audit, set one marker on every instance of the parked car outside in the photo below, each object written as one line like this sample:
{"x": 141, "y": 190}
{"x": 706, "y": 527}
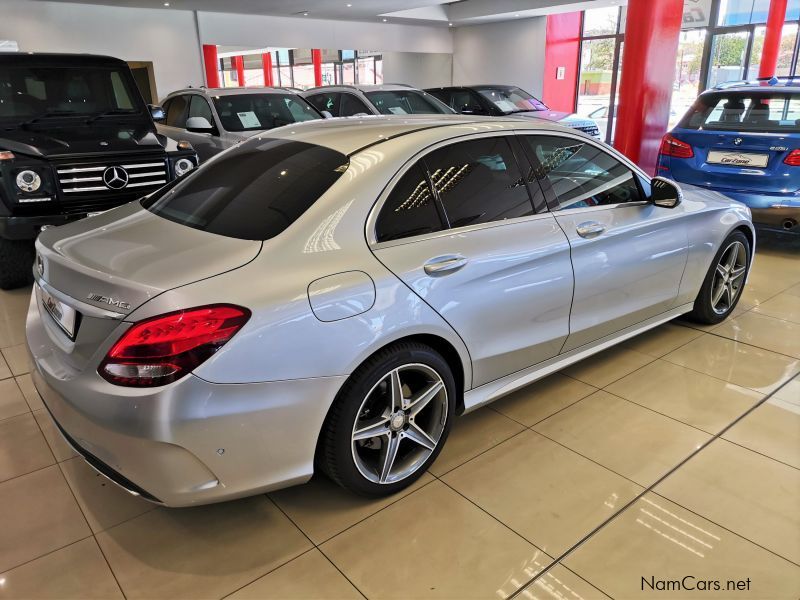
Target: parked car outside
{"x": 214, "y": 119}
{"x": 334, "y": 294}
{"x": 742, "y": 139}
{"x": 506, "y": 100}
{"x": 386, "y": 99}
{"x": 76, "y": 138}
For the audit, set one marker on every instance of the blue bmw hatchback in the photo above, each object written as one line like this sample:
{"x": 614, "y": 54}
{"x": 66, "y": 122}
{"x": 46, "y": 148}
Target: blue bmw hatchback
{"x": 743, "y": 140}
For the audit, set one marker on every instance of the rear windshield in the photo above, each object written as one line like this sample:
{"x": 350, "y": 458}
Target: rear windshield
{"x": 253, "y": 112}
{"x": 406, "y": 102}
{"x": 511, "y": 99}
{"x": 772, "y": 112}
{"x": 253, "y": 192}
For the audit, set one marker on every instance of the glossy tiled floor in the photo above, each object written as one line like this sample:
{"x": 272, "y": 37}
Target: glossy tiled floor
{"x": 674, "y": 455}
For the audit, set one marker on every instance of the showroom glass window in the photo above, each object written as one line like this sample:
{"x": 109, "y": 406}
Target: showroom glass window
{"x": 580, "y": 175}
{"x": 478, "y": 181}
{"x": 252, "y": 112}
{"x": 410, "y": 209}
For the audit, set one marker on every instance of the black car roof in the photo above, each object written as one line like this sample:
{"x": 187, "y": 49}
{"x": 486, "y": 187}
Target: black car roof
{"x": 46, "y": 58}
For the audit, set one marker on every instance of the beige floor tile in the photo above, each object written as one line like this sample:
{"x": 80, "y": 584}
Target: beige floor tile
{"x": 628, "y": 439}
{"x": 765, "y": 332}
{"x": 559, "y": 583}
{"x": 539, "y": 400}
{"x": 12, "y": 332}
{"x": 434, "y": 544}
{"x": 750, "y": 494}
{"x": 656, "y": 539}
{"x": 772, "y": 429}
{"x": 103, "y": 503}
{"x": 790, "y": 391}
{"x": 664, "y": 338}
{"x": 58, "y": 445}
{"x": 321, "y": 509}
{"x": 5, "y": 372}
{"x": 22, "y": 447}
{"x": 546, "y": 493}
{"x": 77, "y": 571}
{"x": 39, "y": 515}
{"x": 472, "y": 434}
{"x": 32, "y": 397}
{"x": 793, "y": 291}
{"x": 607, "y": 366}
{"x": 741, "y": 364}
{"x": 203, "y": 552}
{"x": 310, "y": 575}
{"x": 12, "y": 402}
{"x": 783, "y": 306}
{"x": 693, "y": 398}
{"x": 14, "y": 303}
{"x": 17, "y": 359}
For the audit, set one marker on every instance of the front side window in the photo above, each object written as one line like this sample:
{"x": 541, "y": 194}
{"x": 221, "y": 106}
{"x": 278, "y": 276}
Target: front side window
{"x": 253, "y": 191}
{"x": 509, "y": 100}
{"x": 772, "y": 112}
{"x": 410, "y": 209}
{"x": 478, "y": 181}
{"x": 406, "y": 102}
{"x": 254, "y": 112}
{"x": 580, "y": 175}
{"x": 198, "y": 107}
{"x": 176, "y": 112}
{"x": 326, "y": 101}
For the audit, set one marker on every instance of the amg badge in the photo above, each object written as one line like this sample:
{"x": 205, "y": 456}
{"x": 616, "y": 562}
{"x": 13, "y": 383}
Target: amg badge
{"x": 109, "y": 300}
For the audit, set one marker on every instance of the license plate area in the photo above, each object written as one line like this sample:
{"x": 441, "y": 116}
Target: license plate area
{"x": 62, "y": 314}
{"x": 731, "y": 158}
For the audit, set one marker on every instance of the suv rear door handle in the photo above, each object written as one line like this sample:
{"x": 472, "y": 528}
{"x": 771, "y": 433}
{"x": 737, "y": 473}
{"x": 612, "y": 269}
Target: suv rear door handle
{"x": 590, "y": 229}
{"x": 445, "y": 264}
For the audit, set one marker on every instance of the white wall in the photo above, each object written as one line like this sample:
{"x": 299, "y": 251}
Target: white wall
{"x": 168, "y": 38}
{"x": 418, "y": 69}
{"x": 510, "y": 52}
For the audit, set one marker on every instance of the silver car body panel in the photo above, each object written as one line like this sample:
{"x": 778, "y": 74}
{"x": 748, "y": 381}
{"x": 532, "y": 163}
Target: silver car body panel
{"x": 324, "y": 297}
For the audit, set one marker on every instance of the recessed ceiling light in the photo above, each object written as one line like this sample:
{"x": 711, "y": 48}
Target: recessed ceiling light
{"x": 385, "y": 20}
{"x": 305, "y": 14}
{"x": 516, "y": 15}
{"x": 166, "y": 3}
{"x": 449, "y": 24}
{"x": 349, "y": 5}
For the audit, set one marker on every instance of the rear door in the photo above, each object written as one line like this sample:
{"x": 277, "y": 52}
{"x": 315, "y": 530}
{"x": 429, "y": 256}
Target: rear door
{"x": 475, "y": 249}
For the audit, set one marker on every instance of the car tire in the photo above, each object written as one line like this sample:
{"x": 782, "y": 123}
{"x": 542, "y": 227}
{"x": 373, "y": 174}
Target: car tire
{"x": 724, "y": 282}
{"x": 406, "y": 396}
{"x": 16, "y": 263}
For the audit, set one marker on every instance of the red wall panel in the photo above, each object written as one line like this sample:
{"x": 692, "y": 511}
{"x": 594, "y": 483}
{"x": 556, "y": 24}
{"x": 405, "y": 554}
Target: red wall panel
{"x": 562, "y": 49}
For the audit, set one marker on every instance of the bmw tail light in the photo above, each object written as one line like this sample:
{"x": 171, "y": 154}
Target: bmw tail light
{"x": 793, "y": 158}
{"x": 163, "y": 349}
{"x": 672, "y": 146}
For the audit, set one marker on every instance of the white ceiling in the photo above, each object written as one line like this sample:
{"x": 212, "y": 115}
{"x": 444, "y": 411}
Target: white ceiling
{"x": 460, "y": 12}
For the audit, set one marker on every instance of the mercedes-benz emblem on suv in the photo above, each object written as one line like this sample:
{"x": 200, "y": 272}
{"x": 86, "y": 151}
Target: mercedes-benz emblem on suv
{"x": 738, "y": 141}
{"x": 115, "y": 178}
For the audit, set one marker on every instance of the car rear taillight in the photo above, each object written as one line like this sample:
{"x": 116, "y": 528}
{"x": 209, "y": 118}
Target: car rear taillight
{"x": 793, "y": 158}
{"x": 163, "y": 349}
{"x": 672, "y": 146}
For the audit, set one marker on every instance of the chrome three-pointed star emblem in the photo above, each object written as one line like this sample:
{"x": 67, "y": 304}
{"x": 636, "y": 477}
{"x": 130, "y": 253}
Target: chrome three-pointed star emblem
{"x": 115, "y": 178}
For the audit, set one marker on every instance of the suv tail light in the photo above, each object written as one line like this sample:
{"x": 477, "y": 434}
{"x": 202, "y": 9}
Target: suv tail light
{"x": 163, "y": 349}
{"x": 671, "y": 146}
{"x": 793, "y": 158}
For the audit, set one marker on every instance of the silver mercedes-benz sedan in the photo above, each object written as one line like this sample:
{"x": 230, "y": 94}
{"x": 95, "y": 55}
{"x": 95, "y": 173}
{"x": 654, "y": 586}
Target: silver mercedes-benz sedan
{"x": 332, "y": 295}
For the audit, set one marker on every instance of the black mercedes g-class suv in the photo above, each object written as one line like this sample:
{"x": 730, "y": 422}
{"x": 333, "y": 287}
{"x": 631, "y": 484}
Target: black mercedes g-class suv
{"x": 76, "y": 138}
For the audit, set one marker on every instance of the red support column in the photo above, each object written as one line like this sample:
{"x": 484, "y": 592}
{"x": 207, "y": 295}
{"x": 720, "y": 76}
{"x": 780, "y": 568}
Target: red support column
{"x": 648, "y": 68}
{"x": 211, "y": 63}
{"x": 772, "y": 39}
{"x": 316, "y": 58}
{"x": 238, "y": 64}
{"x": 266, "y": 61}
{"x": 561, "y": 57}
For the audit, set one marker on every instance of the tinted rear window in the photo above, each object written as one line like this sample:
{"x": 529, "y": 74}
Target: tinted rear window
{"x": 406, "y": 102}
{"x": 772, "y": 112}
{"x": 253, "y": 192}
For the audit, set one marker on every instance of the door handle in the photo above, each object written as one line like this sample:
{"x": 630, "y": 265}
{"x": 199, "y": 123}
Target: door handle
{"x": 443, "y": 265}
{"x": 590, "y": 229}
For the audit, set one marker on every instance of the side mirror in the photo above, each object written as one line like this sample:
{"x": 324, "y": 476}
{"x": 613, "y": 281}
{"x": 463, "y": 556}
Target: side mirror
{"x": 156, "y": 112}
{"x": 665, "y": 193}
{"x": 199, "y": 125}
{"x": 327, "y": 114}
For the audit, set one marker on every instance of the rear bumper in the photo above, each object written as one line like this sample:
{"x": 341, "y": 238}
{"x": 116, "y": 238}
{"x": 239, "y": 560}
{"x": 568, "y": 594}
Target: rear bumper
{"x": 783, "y": 219}
{"x": 190, "y": 442}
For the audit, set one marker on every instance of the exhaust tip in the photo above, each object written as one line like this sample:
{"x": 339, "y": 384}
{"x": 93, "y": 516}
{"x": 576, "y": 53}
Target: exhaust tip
{"x": 789, "y": 224}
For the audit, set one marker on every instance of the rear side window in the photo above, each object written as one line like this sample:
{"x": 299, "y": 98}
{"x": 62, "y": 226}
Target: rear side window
{"x": 409, "y": 210}
{"x": 253, "y": 192}
{"x": 329, "y": 102}
{"x": 479, "y": 181}
{"x": 772, "y": 112}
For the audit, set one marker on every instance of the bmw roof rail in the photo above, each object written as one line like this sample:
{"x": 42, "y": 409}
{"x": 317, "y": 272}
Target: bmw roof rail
{"x": 760, "y": 81}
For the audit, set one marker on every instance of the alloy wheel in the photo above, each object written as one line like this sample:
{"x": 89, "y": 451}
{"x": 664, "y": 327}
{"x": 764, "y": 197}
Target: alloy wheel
{"x": 729, "y": 278}
{"x": 399, "y": 423}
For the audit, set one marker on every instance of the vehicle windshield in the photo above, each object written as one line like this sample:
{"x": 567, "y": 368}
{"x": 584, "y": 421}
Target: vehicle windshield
{"x": 512, "y": 99}
{"x": 254, "y": 112}
{"x": 253, "y": 191}
{"x": 769, "y": 112}
{"x": 406, "y": 102}
{"x": 32, "y": 93}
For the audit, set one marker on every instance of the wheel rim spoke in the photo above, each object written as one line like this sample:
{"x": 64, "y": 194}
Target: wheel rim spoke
{"x": 729, "y": 273}
{"x": 388, "y": 455}
{"x": 416, "y": 404}
{"x": 738, "y": 273}
{"x": 398, "y": 401}
{"x": 715, "y": 299}
{"x": 371, "y": 431}
{"x": 417, "y": 434}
